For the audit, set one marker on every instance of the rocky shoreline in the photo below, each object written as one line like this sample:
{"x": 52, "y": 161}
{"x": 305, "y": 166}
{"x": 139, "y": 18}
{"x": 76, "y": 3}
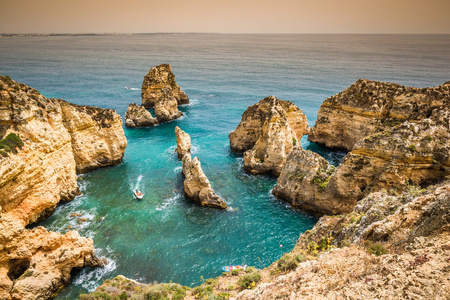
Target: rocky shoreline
{"x": 384, "y": 229}
{"x": 44, "y": 144}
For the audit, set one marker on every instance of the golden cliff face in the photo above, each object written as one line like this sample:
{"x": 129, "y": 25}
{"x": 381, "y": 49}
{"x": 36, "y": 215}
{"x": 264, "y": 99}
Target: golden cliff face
{"x": 368, "y": 107}
{"x": 44, "y": 143}
{"x": 267, "y": 133}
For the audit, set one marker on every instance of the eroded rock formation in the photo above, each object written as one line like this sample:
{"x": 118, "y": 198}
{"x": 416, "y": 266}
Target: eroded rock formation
{"x": 412, "y": 152}
{"x": 166, "y": 107}
{"x": 368, "y": 107}
{"x": 183, "y": 143}
{"x": 267, "y": 133}
{"x": 196, "y": 184}
{"x": 155, "y": 81}
{"x": 43, "y": 144}
{"x": 138, "y": 116}
{"x": 35, "y": 263}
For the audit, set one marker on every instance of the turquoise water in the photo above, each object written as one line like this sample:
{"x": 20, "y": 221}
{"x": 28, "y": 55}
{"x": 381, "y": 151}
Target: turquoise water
{"x": 165, "y": 237}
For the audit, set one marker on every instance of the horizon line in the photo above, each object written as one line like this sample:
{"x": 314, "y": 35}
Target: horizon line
{"x": 218, "y": 33}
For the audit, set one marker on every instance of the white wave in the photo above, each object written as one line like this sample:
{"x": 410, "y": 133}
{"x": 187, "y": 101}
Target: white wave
{"x": 178, "y": 169}
{"x": 88, "y": 279}
{"x": 191, "y": 102}
{"x": 168, "y": 202}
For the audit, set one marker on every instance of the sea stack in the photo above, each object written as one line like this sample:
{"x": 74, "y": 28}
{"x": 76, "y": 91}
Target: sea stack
{"x": 196, "y": 185}
{"x": 267, "y": 133}
{"x": 44, "y": 143}
{"x": 155, "y": 81}
{"x": 138, "y": 116}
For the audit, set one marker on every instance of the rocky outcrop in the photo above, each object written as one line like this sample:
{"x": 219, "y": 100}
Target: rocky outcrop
{"x": 166, "y": 107}
{"x": 410, "y": 153}
{"x": 388, "y": 247}
{"x": 183, "y": 143}
{"x": 43, "y": 144}
{"x": 267, "y": 133}
{"x": 138, "y": 116}
{"x": 196, "y": 185}
{"x": 96, "y": 134}
{"x": 368, "y": 107}
{"x": 35, "y": 263}
{"x": 155, "y": 81}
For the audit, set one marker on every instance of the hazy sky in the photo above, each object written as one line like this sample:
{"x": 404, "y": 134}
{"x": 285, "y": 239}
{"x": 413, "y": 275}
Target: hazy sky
{"x": 225, "y": 16}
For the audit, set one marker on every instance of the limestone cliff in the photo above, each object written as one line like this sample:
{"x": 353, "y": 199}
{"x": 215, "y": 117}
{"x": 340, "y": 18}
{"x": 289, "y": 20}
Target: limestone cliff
{"x": 196, "y": 184}
{"x": 155, "y": 81}
{"x": 138, "y": 116}
{"x": 35, "y": 263}
{"x": 43, "y": 144}
{"x": 368, "y": 107}
{"x": 97, "y": 136}
{"x": 267, "y": 133}
{"x": 416, "y": 153}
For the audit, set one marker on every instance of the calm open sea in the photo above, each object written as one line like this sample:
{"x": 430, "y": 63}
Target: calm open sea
{"x": 165, "y": 237}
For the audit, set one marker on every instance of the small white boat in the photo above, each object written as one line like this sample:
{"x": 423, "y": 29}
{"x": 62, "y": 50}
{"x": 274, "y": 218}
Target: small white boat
{"x": 138, "y": 194}
{"x": 127, "y": 88}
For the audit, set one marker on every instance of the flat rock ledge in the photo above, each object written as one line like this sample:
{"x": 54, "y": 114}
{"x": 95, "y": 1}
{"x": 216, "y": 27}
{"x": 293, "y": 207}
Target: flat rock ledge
{"x": 196, "y": 185}
{"x": 267, "y": 133}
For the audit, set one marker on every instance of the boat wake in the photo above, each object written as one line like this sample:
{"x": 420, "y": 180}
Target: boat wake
{"x": 131, "y": 89}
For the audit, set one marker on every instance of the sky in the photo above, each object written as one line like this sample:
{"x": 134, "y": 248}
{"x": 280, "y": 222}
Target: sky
{"x": 225, "y": 16}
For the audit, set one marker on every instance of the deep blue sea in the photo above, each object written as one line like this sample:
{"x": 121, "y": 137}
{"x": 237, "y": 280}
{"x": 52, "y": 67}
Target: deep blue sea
{"x": 165, "y": 237}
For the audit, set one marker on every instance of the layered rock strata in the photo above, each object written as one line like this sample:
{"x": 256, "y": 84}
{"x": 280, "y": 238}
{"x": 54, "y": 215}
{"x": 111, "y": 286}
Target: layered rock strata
{"x": 196, "y": 185}
{"x": 35, "y": 263}
{"x": 138, "y": 116}
{"x": 368, "y": 107}
{"x": 410, "y": 153}
{"x": 44, "y": 143}
{"x": 267, "y": 133}
{"x": 155, "y": 81}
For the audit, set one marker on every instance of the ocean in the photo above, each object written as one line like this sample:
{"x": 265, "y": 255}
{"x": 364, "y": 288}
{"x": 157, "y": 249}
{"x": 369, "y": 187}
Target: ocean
{"x": 166, "y": 237}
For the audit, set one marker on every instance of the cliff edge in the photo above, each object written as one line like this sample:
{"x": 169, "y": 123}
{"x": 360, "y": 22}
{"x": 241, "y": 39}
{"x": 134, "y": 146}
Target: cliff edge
{"x": 44, "y": 143}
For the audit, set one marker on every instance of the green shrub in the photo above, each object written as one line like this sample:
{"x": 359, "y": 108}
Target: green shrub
{"x": 287, "y": 263}
{"x": 294, "y": 141}
{"x": 236, "y": 272}
{"x": 376, "y": 248}
{"x": 9, "y": 144}
{"x": 249, "y": 280}
{"x": 123, "y": 295}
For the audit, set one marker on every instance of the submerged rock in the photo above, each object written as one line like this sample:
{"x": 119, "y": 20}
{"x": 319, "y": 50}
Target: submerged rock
{"x": 155, "y": 81}
{"x": 267, "y": 133}
{"x": 183, "y": 142}
{"x": 368, "y": 107}
{"x": 138, "y": 116}
{"x": 196, "y": 185}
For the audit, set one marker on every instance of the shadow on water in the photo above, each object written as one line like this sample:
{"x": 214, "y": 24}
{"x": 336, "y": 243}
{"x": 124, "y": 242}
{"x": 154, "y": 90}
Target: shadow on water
{"x": 334, "y": 157}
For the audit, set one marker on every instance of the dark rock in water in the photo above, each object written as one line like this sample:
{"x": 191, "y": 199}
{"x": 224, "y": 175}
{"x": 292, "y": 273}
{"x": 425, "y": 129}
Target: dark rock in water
{"x": 138, "y": 116}
{"x": 155, "y": 81}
